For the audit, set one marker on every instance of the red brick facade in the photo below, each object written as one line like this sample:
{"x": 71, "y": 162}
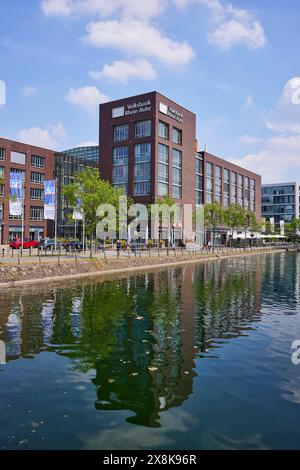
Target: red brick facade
{"x": 32, "y": 228}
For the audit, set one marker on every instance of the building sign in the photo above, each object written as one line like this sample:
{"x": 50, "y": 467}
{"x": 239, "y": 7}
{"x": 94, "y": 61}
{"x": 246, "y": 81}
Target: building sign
{"x": 171, "y": 112}
{"x": 131, "y": 109}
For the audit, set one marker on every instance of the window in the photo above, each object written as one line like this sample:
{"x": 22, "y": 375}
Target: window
{"x": 2, "y": 191}
{"x": 209, "y": 183}
{"x": 120, "y": 168}
{"x": 199, "y": 179}
{"x": 163, "y": 130}
{"x": 142, "y": 169}
{"x": 252, "y": 195}
{"x": 36, "y": 213}
{"x": 218, "y": 184}
{"x": 142, "y": 129}
{"x": 233, "y": 188}
{"x": 121, "y": 133}
{"x": 240, "y": 190}
{"x": 120, "y": 155}
{"x": 163, "y": 170}
{"x": 38, "y": 178}
{"x": 37, "y": 162}
{"x": 2, "y": 154}
{"x": 36, "y": 194}
{"x": 1, "y": 172}
{"x": 177, "y": 174}
{"x": 177, "y": 136}
{"x": 247, "y": 192}
{"x": 226, "y": 187}
{"x": 142, "y": 153}
{"x": 1, "y": 213}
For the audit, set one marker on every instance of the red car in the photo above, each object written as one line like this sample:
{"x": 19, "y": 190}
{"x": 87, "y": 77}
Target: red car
{"x": 27, "y": 244}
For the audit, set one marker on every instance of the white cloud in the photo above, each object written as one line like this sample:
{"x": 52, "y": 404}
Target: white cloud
{"x": 57, "y": 7}
{"x": 286, "y": 115}
{"x": 277, "y": 161}
{"x": 51, "y": 137}
{"x": 233, "y": 26}
{"x": 249, "y": 140}
{"x": 233, "y": 33}
{"x": 139, "y": 38}
{"x": 249, "y": 103}
{"x": 127, "y": 8}
{"x": 28, "y": 91}
{"x": 88, "y": 98}
{"x": 122, "y": 71}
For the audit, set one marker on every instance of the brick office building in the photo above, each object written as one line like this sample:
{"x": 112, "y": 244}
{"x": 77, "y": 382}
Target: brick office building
{"x": 227, "y": 183}
{"x": 147, "y": 147}
{"x": 37, "y": 164}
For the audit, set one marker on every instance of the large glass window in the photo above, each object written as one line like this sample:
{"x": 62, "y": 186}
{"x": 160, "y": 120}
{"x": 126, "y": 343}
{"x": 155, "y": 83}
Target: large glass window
{"x": 218, "y": 184}
{"x": 233, "y": 188}
{"x": 199, "y": 179}
{"x": 209, "y": 183}
{"x": 240, "y": 190}
{"x": 252, "y": 195}
{"x": 177, "y": 136}
{"x": 163, "y": 170}
{"x": 247, "y": 192}
{"x": 1, "y": 172}
{"x": 37, "y": 162}
{"x": 142, "y": 169}
{"x": 120, "y": 168}
{"x": 2, "y": 154}
{"x": 226, "y": 187}
{"x": 36, "y": 213}
{"x": 142, "y": 153}
{"x": 142, "y": 129}
{"x": 177, "y": 174}
{"x": 36, "y": 194}
{"x": 37, "y": 177}
{"x": 163, "y": 130}
{"x": 121, "y": 132}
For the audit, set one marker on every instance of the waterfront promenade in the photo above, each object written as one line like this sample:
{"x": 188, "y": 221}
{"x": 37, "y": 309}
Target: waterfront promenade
{"x": 26, "y": 269}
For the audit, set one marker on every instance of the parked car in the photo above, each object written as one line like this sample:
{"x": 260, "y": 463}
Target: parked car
{"x": 27, "y": 244}
{"x": 73, "y": 246}
{"x": 47, "y": 245}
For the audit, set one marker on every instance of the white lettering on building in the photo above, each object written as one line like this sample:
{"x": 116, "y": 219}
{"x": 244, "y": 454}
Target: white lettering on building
{"x": 171, "y": 112}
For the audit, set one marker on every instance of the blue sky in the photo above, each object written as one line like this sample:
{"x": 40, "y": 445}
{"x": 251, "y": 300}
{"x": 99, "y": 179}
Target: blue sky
{"x": 236, "y": 65}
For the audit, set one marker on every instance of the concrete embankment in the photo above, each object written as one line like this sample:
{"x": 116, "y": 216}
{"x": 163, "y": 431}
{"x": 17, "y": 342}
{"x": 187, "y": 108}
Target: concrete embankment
{"x": 35, "y": 273}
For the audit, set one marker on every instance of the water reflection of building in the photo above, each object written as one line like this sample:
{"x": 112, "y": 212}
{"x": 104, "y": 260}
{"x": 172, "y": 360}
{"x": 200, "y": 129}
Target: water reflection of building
{"x": 141, "y": 334}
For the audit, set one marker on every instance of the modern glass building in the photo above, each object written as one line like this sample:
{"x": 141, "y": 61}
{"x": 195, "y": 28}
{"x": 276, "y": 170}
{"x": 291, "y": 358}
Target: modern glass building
{"x": 280, "y": 201}
{"x": 67, "y": 164}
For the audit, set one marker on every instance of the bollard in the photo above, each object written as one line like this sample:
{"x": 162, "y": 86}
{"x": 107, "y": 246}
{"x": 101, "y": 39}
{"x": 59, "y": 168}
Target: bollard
{"x": 19, "y": 260}
{"x": 3, "y": 252}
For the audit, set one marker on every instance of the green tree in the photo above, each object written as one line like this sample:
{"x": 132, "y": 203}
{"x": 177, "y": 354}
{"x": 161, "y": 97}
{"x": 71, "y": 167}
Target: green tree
{"x": 234, "y": 218}
{"x": 214, "y": 218}
{"x": 249, "y": 221}
{"x": 88, "y": 192}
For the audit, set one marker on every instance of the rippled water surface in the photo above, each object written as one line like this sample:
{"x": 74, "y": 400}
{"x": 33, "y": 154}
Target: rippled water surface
{"x": 197, "y": 357}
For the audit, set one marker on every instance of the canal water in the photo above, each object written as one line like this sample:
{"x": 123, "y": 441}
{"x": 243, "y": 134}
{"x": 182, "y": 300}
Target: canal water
{"x": 194, "y": 357}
